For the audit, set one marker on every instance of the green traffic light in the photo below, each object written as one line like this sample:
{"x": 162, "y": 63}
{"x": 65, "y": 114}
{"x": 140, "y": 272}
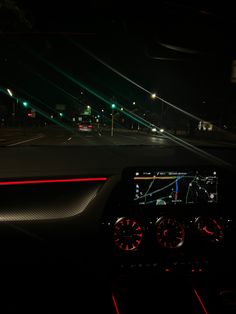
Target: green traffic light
{"x": 25, "y": 104}
{"x": 113, "y": 106}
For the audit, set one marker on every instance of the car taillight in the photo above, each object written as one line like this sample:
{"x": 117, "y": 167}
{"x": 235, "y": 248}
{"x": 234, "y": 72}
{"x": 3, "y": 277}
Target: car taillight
{"x": 90, "y": 126}
{"x": 81, "y": 126}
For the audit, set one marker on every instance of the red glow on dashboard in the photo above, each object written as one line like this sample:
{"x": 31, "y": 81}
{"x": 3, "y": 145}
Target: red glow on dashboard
{"x": 217, "y": 225}
{"x": 204, "y": 12}
{"x": 43, "y": 181}
{"x": 207, "y": 231}
{"x": 127, "y": 234}
{"x": 200, "y": 301}
{"x": 115, "y": 304}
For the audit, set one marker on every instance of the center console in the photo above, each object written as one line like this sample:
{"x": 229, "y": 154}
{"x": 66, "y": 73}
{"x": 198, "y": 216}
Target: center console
{"x": 170, "y": 221}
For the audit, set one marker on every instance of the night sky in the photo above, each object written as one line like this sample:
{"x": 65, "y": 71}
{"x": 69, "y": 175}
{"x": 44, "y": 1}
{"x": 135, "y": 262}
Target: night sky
{"x": 198, "y": 82}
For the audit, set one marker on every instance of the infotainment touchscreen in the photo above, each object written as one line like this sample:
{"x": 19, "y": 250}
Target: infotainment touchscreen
{"x": 174, "y": 187}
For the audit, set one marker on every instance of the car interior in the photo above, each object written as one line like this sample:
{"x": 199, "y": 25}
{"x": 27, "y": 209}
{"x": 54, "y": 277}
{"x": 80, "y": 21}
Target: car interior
{"x": 152, "y": 239}
{"x": 119, "y": 228}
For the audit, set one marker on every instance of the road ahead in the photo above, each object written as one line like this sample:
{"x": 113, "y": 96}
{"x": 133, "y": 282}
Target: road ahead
{"x": 44, "y": 152}
{"x": 55, "y": 136}
{"x": 58, "y": 137}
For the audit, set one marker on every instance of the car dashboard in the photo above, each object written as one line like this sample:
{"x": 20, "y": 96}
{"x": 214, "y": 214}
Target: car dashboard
{"x": 170, "y": 221}
{"x": 174, "y": 227}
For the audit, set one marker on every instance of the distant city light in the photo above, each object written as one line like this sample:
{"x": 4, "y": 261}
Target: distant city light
{"x": 113, "y": 106}
{"x": 134, "y": 102}
{"x": 52, "y": 117}
{"x": 102, "y": 110}
{"x": 81, "y": 93}
{"x": 154, "y": 129}
{"x": 25, "y": 104}
{"x": 9, "y": 92}
{"x": 61, "y": 114}
{"x": 122, "y": 108}
{"x": 88, "y": 107}
{"x": 162, "y": 130}
{"x": 73, "y": 119}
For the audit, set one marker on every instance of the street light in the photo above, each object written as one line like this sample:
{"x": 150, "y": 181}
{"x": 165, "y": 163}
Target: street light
{"x": 154, "y": 96}
{"x": 9, "y": 92}
{"x": 113, "y": 106}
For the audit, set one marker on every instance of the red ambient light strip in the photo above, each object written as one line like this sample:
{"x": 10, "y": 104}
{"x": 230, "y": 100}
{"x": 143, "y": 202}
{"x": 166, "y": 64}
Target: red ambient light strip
{"x": 115, "y": 304}
{"x": 200, "y": 301}
{"x": 44, "y": 181}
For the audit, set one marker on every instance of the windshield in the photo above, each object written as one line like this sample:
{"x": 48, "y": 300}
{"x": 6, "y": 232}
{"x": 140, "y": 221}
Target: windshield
{"x": 110, "y": 80}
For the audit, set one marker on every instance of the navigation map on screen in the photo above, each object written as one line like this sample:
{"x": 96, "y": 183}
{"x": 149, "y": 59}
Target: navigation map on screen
{"x": 175, "y": 187}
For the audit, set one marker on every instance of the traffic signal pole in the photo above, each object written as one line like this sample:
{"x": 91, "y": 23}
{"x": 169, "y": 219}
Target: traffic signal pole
{"x": 112, "y": 122}
{"x": 113, "y": 106}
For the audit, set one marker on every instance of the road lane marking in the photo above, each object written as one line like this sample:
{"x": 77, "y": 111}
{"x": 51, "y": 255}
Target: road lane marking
{"x": 29, "y": 140}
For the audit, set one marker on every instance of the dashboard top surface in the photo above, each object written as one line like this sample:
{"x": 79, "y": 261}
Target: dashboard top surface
{"x": 50, "y": 161}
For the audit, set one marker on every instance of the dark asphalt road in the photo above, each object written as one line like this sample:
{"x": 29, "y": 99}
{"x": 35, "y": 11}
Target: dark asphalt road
{"x": 42, "y": 152}
{"x": 95, "y": 139}
{"x": 58, "y": 137}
